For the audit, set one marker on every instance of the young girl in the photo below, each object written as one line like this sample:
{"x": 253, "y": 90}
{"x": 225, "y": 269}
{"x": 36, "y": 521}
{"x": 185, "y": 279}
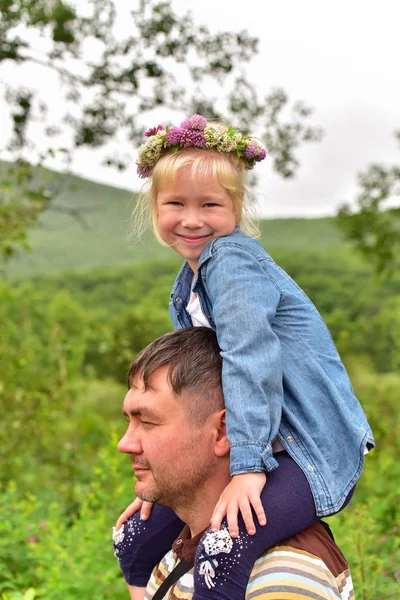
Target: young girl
{"x": 292, "y": 417}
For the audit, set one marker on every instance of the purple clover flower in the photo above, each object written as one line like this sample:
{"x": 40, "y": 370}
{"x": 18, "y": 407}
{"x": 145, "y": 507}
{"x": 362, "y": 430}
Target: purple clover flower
{"x": 191, "y": 137}
{"x": 144, "y": 171}
{"x": 153, "y": 130}
{"x": 198, "y": 122}
{"x": 252, "y": 149}
{"x": 198, "y": 139}
{"x": 174, "y": 135}
{"x": 261, "y": 155}
{"x": 188, "y": 138}
{"x": 186, "y": 124}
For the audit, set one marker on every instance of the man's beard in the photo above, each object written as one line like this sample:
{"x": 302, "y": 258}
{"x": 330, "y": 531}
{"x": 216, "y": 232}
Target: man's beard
{"x": 177, "y": 489}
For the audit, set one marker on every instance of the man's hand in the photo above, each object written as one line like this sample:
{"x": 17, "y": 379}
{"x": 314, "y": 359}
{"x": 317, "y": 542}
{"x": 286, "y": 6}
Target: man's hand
{"x": 241, "y": 494}
{"x": 137, "y": 504}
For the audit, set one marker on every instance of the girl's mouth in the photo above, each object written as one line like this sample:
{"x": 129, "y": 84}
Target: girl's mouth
{"x": 193, "y": 239}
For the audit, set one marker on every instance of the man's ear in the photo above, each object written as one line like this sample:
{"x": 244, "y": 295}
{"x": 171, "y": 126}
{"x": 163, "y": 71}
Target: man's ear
{"x": 222, "y": 446}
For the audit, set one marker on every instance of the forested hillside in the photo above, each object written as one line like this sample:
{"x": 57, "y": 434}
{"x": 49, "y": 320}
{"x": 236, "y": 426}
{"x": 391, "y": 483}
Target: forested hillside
{"x": 88, "y": 226}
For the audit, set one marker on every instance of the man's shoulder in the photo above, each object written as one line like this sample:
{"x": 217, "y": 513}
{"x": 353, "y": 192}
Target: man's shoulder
{"x": 309, "y": 564}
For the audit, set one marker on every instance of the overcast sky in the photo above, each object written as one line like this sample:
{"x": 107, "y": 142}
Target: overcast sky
{"x": 342, "y": 58}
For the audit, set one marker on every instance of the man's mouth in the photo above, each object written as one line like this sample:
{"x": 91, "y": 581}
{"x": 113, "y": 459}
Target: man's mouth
{"x": 139, "y": 467}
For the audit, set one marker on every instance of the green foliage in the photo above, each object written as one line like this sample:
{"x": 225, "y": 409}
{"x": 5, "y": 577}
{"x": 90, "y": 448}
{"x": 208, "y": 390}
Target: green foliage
{"x": 66, "y": 342}
{"x": 21, "y": 202}
{"x": 59, "y": 556}
{"x": 374, "y": 229}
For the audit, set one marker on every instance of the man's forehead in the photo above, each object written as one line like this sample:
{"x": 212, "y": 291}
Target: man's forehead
{"x": 156, "y": 397}
{"x": 157, "y": 380}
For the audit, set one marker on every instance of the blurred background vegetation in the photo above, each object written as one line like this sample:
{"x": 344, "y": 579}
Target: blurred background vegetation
{"x": 73, "y": 314}
{"x": 76, "y": 309}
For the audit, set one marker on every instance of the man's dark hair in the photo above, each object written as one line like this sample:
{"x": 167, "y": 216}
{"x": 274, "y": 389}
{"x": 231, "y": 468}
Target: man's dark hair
{"x": 194, "y": 369}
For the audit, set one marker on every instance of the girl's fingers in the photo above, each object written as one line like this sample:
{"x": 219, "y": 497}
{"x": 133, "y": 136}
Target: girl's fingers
{"x": 232, "y": 518}
{"x": 146, "y": 510}
{"x": 128, "y": 512}
{"x": 247, "y": 515}
{"x": 259, "y": 510}
{"x": 218, "y": 515}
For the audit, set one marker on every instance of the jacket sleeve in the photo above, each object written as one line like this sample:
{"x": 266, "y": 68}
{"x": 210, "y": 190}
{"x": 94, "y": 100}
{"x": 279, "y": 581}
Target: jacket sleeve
{"x": 244, "y": 301}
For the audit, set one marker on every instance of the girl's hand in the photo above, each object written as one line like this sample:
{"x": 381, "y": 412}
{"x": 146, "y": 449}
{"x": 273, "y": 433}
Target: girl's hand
{"x": 137, "y": 504}
{"x": 242, "y": 493}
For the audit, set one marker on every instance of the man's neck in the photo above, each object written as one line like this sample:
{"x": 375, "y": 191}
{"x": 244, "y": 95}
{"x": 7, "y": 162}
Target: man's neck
{"x": 198, "y": 511}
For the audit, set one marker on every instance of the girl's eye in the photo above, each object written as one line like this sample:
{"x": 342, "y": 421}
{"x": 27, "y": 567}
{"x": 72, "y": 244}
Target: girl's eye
{"x": 175, "y": 203}
{"x": 211, "y": 204}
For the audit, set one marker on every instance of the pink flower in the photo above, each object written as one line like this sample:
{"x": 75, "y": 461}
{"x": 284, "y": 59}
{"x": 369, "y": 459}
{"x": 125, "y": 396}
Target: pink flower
{"x": 261, "y": 155}
{"x": 186, "y": 124}
{"x": 252, "y": 149}
{"x": 144, "y": 172}
{"x": 198, "y": 122}
{"x": 198, "y": 139}
{"x": 190, "y": 137}
{"x": 42, "y": 524}
{"x": 33, "y": 539}
{"x": 174, "y": 135}
{"x": 153, "y": 130}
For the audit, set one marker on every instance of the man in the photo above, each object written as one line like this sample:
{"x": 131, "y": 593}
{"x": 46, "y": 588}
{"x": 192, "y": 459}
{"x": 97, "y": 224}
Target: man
{"x": 177, "y": 442}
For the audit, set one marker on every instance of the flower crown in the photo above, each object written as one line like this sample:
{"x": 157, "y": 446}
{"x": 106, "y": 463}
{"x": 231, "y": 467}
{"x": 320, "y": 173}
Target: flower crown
{"x": 196, "y": 133}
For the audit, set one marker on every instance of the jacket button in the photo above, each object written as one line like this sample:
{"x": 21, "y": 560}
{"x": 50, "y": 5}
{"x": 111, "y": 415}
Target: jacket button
{"x": 179, "y": 300}
{"x": 310, "y": 468}
{"x": 290, "y": 438}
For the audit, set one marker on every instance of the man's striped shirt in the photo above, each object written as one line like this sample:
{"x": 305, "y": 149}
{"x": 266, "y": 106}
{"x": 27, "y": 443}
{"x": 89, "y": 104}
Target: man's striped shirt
{"x": 304, "y": 567}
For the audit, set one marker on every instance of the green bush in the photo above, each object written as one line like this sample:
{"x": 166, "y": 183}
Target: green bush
{"x": 65, "y": 347}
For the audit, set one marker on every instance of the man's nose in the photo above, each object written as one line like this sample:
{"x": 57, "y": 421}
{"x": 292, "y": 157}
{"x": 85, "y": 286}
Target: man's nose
{"x": 130, "y": 442}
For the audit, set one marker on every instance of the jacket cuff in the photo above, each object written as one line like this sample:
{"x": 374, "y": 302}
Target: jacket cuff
{"x": 251, "y": 457}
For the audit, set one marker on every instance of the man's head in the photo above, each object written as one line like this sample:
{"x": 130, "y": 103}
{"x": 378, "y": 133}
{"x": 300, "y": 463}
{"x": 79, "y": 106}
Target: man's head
{"x": 175, "y": 409}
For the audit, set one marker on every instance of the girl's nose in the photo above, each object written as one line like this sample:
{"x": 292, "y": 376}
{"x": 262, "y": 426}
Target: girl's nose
{"x": 192, "y": 219}
{"x": 130, "y": 442}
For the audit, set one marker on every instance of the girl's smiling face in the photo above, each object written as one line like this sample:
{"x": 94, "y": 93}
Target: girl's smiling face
{"x": 191, "y": 213}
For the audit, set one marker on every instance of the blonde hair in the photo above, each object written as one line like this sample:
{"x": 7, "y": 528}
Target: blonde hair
{"x": 226, "y": 168}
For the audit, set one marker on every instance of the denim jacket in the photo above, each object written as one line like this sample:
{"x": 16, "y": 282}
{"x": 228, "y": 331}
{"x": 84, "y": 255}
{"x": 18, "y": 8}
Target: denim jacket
{"x": 282, "y": 376}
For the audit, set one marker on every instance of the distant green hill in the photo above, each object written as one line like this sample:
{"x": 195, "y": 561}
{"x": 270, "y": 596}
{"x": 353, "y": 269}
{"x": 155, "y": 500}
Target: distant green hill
{"x": 62, "y": 243}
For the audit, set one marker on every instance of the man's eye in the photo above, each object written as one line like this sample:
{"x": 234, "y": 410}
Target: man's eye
{"x": 146, "y": 423}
